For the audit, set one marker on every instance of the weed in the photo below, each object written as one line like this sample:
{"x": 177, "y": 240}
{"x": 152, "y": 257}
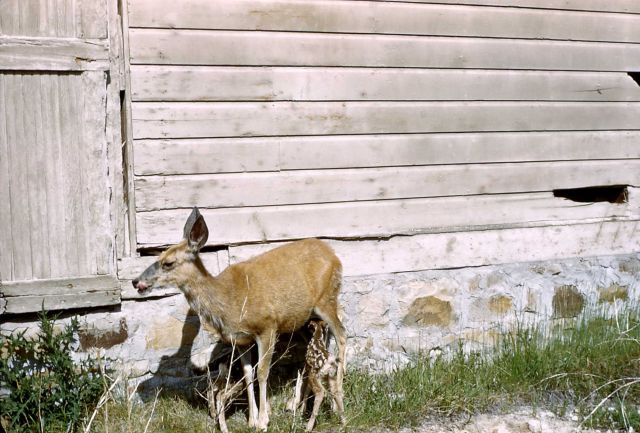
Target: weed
{"x": 47, "y": 390}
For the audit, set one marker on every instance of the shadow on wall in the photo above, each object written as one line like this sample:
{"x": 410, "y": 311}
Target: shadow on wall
{"x": 177, "y": 376}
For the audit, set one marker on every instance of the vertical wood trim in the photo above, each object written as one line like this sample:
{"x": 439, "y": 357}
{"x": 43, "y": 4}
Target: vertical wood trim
{"x": 114, "y": 129}
{"x": 131, "y": 246}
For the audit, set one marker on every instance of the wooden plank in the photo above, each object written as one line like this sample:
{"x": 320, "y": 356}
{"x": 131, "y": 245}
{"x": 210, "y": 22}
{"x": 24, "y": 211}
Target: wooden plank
{"x": 18, "y": 151}
{"x": 98, "y": 237}
{"x": 68, "y": 286}
{"x": 475, "y": 248}
{"x": 245, "y": 119}
{"x": 385, "y": 18}
{"x": 6, "y": 258}
{"x": 31, "y": 304}
{"x": 157, "y": 46}
{"x": 53, "y": 54}
{"x": 379, "y": 218}
{"x": 206, "y": 155}
{"x": 228, "y": 155}
{"x": 33, "y": 136}
{"x": 206, "y": 83}
{"x": 323, "y": 186}
{"x": 622, "y": 6}
{"x": 92, "y": 16}
{"x": 55, "y": 172}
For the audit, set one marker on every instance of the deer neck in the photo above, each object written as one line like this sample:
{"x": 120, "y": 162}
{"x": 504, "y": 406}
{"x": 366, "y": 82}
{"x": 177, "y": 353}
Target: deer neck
{"x": 203, "y": 294}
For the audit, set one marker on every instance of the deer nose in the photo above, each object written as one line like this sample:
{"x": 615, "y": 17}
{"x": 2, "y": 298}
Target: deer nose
{"x": 135, "y": 283}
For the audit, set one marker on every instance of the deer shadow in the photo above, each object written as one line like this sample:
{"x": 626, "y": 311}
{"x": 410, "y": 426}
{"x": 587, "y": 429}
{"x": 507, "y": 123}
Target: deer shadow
{"x": 177, "y": 377}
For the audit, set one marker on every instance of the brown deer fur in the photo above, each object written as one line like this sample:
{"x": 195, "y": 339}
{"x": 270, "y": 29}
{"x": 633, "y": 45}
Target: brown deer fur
{"x": 253, "y": 301}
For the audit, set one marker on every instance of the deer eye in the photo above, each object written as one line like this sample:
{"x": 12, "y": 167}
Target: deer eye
{"x": 168, "y": 264}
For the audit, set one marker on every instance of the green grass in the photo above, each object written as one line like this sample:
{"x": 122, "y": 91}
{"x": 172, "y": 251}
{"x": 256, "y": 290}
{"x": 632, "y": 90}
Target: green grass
{"x": 591, "y": 365}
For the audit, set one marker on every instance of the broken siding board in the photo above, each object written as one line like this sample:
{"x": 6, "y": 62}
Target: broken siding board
{"x": 386, "y": 18}
{"x": 324, "y": 186}
{"x": 227, "y": 155}
{"x": 210, "y": 83}
{"x": 622, "y": 6}
{"x": 52, "y": 54}
{"x": 242, "y": 119}
{"x": 475, "y": 248}
{"x": 379, "y": 218}
{"x": 240, "y": 48}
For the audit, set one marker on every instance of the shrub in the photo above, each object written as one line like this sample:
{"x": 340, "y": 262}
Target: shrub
{"x": 48, "y": 391}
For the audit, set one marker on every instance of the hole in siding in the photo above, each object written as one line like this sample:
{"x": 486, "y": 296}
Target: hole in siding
{"x": 156, "y": 251}
{"x": 595, "y": 194}
{"x": 635, "y": 76}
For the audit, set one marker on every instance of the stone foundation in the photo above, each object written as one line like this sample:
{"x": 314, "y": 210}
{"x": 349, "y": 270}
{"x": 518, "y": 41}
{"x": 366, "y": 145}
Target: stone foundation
{"x": 388, "y": 317}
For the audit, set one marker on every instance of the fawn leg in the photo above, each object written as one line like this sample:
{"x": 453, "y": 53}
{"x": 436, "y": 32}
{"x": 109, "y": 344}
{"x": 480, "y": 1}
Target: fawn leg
{"x": 318, "y": 391}
{"x": 328, "y": 313}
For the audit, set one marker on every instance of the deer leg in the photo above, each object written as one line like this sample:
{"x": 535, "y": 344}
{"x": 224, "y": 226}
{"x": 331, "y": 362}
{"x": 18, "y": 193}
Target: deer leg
{"x": 247, "y": 368}
{"x": 266, "y": 342}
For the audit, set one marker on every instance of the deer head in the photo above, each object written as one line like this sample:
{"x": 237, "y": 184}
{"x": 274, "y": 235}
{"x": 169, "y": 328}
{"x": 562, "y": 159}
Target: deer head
{"x": 180, "y": 264}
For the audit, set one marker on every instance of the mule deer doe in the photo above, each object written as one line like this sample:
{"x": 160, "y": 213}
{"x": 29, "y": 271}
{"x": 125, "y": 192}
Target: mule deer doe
{"x": 253, "y": 301}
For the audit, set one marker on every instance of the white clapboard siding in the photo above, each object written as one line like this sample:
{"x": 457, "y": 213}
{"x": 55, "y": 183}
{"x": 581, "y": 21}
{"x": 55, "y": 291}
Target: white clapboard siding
{"x": 385, "y": 18}
{"x": 210, "y": 83}
{"x": 54, "y": 18}
{"x": 53, "y": 54}
{"x": 475, "y": 248}
{"x": 322, "y": 186}
{"x": 220, "y": 119}
{"x": 241, "y": 48}
{"x": 378, "y": 218}
{"x": 623, "y": 6}
{"x": 227, "y": 155}
{"x": 56, "y": 213}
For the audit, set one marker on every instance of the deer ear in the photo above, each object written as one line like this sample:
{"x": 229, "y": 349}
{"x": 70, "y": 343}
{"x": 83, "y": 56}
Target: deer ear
{"x": 196, "y": 231}
{"x": 195, "y": 213}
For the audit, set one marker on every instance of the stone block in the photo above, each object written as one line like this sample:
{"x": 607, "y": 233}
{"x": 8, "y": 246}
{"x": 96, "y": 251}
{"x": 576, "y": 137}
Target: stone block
{"x": 612, "y": 293}
{"x": 567, "y": 301}
{"x": 429, "y": 311}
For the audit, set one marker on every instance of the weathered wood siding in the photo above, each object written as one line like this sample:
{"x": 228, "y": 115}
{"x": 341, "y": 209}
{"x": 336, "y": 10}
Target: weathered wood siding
{"x": 449, "y": 122}
{"x": 59, "y": 77}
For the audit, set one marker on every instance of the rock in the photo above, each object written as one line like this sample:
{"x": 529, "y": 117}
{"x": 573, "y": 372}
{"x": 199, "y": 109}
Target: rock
{"x": 613, "y": 292}
{"x": 567, "y": 302}
{"x": 429, "y": 311}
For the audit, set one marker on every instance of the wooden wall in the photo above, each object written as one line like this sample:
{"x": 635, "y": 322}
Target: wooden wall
{"x": 444, "y": 123}
{"x": 60, "y": 77}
